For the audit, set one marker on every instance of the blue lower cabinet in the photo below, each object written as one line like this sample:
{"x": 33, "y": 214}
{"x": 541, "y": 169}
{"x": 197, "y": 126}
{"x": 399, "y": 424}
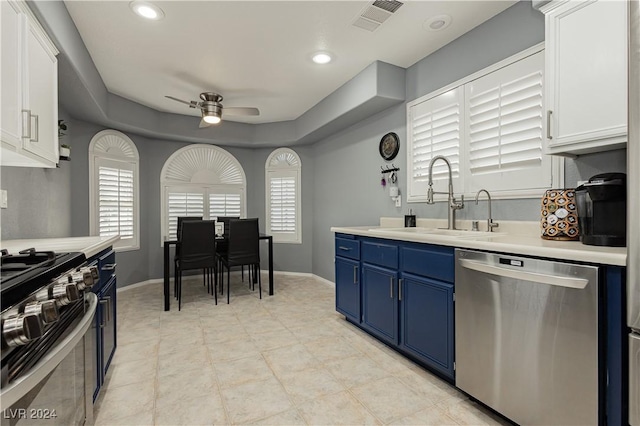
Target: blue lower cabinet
{"x": 348, "y": 288}
{"x": 103, "y": 334}
{"x": 380, "y": 302}
{"x": 426, "y": 325}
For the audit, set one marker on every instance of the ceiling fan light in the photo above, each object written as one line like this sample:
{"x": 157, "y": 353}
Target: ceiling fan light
{"x": 211, "y": 119}
{"x": 147, "y": 10}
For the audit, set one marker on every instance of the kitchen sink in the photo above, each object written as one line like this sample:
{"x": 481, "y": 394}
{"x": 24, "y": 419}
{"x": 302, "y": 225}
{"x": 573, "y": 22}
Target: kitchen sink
{"x": 460, "y": 233}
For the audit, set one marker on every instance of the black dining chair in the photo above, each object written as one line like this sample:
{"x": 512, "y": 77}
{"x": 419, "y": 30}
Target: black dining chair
{"x": 181, "y": 220}
{"x": 197, "y": 251}
{"x": 223, "y": 242}
{"x": 244, "y": 249}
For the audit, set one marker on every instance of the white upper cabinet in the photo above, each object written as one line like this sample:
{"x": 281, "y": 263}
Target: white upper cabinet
{"x": 586, "y": 76}
{"x": 29, "y": 120}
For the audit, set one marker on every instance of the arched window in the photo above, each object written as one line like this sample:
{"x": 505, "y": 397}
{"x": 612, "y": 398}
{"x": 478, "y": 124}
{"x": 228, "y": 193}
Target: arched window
{"x": 114, "y": 186}
{"x": 201, "y": 180}
{"x": 282, "y": 178}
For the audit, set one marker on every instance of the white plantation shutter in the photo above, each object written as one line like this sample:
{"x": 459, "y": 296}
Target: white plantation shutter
{"x": 489, "y": 125}
{"x": 435, "y": 129}
{"x": 187, "y": 203}
{"x": 201, "y": 180}
{"x": 282, "y": 206}
{"x": 504, "y": 109}
{"x": 282, "y": 189}
{"x": 113, "y": 176}
{"x": 224, "y": 205}
{"x": 115, "y": 202}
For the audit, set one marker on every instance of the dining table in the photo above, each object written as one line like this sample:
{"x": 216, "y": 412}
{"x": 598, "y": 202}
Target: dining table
{"x": 167, "y": 263}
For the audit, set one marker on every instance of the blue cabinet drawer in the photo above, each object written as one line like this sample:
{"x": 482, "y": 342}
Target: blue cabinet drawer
{"x": 429, "y": 261}
{"x": 348, "y": 248}
{"x": 106, "y": 266}
{"x": 378, "y": 253}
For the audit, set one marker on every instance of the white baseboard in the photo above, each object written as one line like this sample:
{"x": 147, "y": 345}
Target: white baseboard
{"x": 297, "y": 274}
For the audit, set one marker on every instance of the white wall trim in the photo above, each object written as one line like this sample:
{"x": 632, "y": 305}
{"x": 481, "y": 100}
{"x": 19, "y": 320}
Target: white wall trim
{"x": 265, "y": 271}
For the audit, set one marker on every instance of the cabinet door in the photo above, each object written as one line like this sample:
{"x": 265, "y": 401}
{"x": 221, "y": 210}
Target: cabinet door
{"x": 380, "y": 302}
{"x": 42, "y": 97}
{"x": 13, "y": 27}
{"x": 426, "y": 323}
{"x": 586, "y": 66}
{"x": 348, "y": 288}
{"x": 108, "y": 324}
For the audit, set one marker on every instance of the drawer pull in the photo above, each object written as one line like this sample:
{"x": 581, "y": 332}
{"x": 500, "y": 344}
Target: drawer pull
{"x": 355, "y": 275}
{"x": 400, "y": 289}
{"x": 391, "y": 287}
{"x": 37, "y": 127}
{"x": 109, "y": 267}
{"x": 345, "y": 248}
{"x": 549, "y": 112}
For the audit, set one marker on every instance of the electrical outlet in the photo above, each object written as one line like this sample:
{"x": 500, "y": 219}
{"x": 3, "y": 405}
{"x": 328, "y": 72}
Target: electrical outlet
{"x": 3, "y": 199}
{"x": 398, "y": 201}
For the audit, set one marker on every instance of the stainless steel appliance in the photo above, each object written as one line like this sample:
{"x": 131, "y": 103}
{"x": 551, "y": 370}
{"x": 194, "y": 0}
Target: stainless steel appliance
{"x": 633, "y": 213}
{"x": 46, "y": 316}
{"x": 527, "y": 337}
{"x": 602, "y": 210}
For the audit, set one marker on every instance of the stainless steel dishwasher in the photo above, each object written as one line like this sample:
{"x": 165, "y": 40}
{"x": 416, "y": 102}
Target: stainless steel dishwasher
{"x": 527, "y": 337}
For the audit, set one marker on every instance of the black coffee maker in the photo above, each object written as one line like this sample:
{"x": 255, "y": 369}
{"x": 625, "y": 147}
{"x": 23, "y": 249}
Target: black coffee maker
{"x": 602, "y": 210}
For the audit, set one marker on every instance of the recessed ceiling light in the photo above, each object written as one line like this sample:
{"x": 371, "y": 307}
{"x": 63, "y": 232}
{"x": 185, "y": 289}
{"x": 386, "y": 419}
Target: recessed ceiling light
{"x": 437, "y": 23}
{"x": 321, "y": 58}
{"x": 147, "y": 10}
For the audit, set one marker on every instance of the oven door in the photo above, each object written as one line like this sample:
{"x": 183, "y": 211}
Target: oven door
{"x": 57, "y": 390}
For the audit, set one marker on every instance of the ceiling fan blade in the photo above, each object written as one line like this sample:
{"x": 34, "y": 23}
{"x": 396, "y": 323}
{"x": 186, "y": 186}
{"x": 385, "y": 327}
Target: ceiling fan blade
{"x": 203, "y": 124}
{"x": 240, "y": 111}
{"x": 192, "y": 104}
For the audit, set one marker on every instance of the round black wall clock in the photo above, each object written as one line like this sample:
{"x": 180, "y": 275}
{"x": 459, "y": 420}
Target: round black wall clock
{"x": 389, "y": 146}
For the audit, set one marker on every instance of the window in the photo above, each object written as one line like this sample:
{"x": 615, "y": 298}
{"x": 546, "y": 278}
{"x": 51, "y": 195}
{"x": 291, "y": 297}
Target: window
{"x": 489, "y": 126}
{"x": 282, "y": 178}
{"x": 113, "y": 198}
{"x": 201, "y": 180}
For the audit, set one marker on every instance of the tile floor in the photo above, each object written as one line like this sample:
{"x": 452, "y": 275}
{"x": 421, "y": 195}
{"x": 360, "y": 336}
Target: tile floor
{"x": 283, "y": 360}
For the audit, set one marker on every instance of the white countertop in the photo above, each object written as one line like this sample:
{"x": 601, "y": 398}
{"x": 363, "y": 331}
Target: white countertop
{"x": 90, "y": 246}
{"x": 532, "y": 245}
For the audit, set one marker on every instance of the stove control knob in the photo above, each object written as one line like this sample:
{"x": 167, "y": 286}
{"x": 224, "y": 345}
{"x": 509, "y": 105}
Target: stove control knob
{"x": 95, "y": 274}
{"x": 83, "y": 279}
{"x": 46, "y": 310}
{"x": 21, "y": 329}
{"x": 65, "y": 293}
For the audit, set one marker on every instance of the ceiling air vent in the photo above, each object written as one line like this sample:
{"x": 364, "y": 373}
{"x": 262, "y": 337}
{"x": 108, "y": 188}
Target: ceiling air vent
{"x": 376, "y": 13}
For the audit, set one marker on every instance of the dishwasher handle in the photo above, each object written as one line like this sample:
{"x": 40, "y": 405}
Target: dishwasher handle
{"x": 570, "y": 282}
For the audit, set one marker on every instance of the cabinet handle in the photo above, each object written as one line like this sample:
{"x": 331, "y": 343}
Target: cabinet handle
{"x": 104, "y": 301}
{"x": 400, "y": 289}
{"x": 26, "y": 124}
{"x": 549, "y": 112}
{"x": 355, "y": 275}
{"x": 37, "y": 128}
{"x": 345, "y": 248}
{"x": 108, "y": 308}
{"x": 109, "y": 267}
{"x": 391, "y": 287}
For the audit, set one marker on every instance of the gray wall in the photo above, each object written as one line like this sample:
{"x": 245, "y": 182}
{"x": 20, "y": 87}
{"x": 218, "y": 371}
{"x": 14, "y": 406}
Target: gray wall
{"x": 340, "y": 174}
{"x": 39, "y": 200}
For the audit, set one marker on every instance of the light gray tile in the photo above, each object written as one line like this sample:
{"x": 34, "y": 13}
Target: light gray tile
{"x": 336, "y": 409}
{"x": 242, "y": 370}
{"x": 309, "y": 384}
{"x": 255, "y": 400}
{"x": 389, "y": 399}
{"x": 204, "y": 410}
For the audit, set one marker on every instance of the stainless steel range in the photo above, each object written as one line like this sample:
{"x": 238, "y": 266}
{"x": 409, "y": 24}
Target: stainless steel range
{"x": 46, "y": 313}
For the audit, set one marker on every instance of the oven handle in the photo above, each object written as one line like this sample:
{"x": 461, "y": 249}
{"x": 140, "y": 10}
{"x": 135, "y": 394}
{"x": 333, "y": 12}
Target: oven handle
{"x": 16, "y": 390}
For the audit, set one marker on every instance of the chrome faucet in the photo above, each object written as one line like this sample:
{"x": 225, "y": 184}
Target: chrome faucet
{"x": 490, "y": 223}
{"x": 453, "y": 205}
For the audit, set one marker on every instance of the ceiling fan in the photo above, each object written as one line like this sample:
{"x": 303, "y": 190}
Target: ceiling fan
{"x": 212, "y": 109}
